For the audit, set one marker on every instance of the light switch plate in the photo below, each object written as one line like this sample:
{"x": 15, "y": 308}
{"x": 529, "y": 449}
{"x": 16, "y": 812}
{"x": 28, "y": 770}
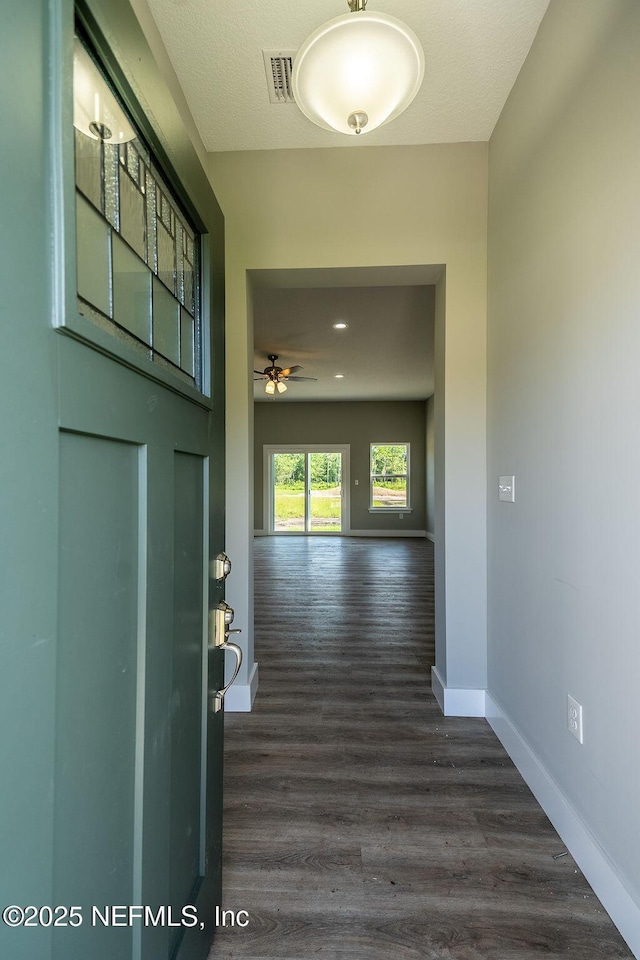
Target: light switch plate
{"x": 507, "y": 489}
{"x": 574, "y": 718}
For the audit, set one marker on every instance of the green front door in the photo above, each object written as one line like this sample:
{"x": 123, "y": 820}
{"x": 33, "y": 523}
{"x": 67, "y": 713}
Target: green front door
{"x": 112, "y": 510}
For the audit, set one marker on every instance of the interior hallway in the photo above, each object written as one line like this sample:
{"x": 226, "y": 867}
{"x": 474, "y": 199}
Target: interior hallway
{"x": 361, "y": 824}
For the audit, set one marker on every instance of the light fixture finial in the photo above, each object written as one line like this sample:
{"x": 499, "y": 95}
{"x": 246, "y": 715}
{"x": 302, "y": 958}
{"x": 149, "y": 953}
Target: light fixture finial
{"x": 358, "y": 120}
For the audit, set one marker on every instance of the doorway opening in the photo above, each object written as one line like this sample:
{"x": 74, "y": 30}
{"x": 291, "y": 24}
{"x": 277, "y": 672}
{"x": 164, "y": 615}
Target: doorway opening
{"x": 306, "y": 489}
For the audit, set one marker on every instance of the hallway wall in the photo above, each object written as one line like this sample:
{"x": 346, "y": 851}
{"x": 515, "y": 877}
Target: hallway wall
{"x": 430, "y": 441}
{"x": 288, "y": 209}
{"x": 563, "y": 400}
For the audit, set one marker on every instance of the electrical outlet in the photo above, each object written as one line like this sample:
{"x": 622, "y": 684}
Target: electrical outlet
{"x": 401, "y": 516}
{"x": 574, "y": 718}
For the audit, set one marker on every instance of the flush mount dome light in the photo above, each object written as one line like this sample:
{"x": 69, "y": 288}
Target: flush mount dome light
{"x": 358, "y": 71}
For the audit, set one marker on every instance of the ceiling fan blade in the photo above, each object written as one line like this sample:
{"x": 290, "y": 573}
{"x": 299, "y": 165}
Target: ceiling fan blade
{"x": 285, "y": 373}
{"x": 301, "y": 378}
{"x": 261, "y": 372}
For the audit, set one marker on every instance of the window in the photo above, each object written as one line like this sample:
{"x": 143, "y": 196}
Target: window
{"x": 390, "y": 476}
{"x": 137, "y": 251}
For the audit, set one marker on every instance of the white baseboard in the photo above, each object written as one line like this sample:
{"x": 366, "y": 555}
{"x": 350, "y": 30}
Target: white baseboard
{"x": 386, "y": 533}
{"x": 430, "y": 536}
{"x": 583, "y": 846}
{"x": 240, "y": 696}
{"x": 365, "y": 533}
{"x": 456, "y": 701}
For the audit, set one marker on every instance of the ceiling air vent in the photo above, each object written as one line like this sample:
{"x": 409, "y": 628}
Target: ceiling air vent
{"x": 278, "y": 65}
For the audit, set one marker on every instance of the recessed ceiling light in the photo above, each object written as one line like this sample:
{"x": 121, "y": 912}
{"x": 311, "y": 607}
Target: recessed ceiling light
{"x": 339, "y": 376}
{"x": 340, "y": 326}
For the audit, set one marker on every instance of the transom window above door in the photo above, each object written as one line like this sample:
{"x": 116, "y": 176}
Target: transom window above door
{"x": 138, "y": 253}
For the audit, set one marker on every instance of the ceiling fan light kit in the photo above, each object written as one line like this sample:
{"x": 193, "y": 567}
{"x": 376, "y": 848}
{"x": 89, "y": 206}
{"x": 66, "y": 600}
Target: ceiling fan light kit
{"x": 276, "y": 377}
{"x": 357, "y": 71}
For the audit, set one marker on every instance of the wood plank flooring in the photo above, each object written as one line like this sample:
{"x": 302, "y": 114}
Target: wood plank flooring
{"x": 361, "y": 824}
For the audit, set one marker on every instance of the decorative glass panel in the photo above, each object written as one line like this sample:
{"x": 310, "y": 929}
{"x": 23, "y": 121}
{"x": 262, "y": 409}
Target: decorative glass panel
{"x": 121, "y": 196}
{"x": 179, "y": 262}
{"x": 132, "y": 214}
{"x": 93, "y": 257}
{"x": 89, "y": 168}
{"x": 111, "y": 177}
{"x": 166, "y": 323}
{"x": 187, "y": 359}
{"x": 166, "y": 257}
{"x": 131, "y": 291}
{"x": 152, "y": 221}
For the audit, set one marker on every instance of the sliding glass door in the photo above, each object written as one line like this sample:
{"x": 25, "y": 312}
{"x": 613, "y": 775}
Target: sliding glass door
{"x": 324, "y": 480}
{"x": 306, "y": 489}
{"x": 289, "y": 493}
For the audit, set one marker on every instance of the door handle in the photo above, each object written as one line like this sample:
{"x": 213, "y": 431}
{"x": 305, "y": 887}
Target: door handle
{"x": 218, "y": 699}
{"x": 222, "y": 617}
{"x": 220, "y": 620}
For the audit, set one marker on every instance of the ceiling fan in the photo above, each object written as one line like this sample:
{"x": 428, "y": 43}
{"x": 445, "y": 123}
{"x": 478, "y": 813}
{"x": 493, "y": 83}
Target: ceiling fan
{"x": 275, "y": 377}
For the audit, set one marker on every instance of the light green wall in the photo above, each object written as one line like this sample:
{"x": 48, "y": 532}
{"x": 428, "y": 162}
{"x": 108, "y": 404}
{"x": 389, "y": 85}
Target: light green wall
{"x": 439, "y": 519}
{"x": 388, "y": 206}
{"x": 430, "y": 450}
{"x": 356, "y": 424}
{"x": 563, "y": 402}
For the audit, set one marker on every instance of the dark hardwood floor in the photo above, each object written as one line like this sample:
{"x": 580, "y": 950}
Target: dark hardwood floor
{"x": 360, "y": 823}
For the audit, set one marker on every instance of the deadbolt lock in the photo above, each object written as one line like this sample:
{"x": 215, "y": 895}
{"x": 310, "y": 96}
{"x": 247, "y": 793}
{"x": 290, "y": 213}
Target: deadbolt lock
{"x": 222, "y": 566}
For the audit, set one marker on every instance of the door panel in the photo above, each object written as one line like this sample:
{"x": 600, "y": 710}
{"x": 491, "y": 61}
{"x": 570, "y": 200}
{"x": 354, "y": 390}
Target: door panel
{"x": 187, "y": 706}
{"x": 325, "y": 492}
{"x": 97, "y": 686}
{"x": 289, "y": 493}
{"x": 114, "y": 478}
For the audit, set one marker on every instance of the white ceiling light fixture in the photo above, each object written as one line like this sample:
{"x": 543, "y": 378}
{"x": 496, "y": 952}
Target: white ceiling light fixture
{"x": 357, "y": 71}
{"x": 96, "y": 112}
{"x": 340, "y": 325}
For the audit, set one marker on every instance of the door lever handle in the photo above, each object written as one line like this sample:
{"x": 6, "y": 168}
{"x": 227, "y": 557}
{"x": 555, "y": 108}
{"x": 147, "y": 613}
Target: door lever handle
{"x": 218, "y": 699}
{"x": 220, "y": 620}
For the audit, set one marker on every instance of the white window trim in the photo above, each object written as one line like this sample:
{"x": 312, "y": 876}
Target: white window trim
{"x": 396, "y": 510}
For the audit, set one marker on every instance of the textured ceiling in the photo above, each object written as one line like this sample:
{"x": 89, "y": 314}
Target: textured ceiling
{"x": 386, "y": 352}
{"x": 473, "y": 50}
